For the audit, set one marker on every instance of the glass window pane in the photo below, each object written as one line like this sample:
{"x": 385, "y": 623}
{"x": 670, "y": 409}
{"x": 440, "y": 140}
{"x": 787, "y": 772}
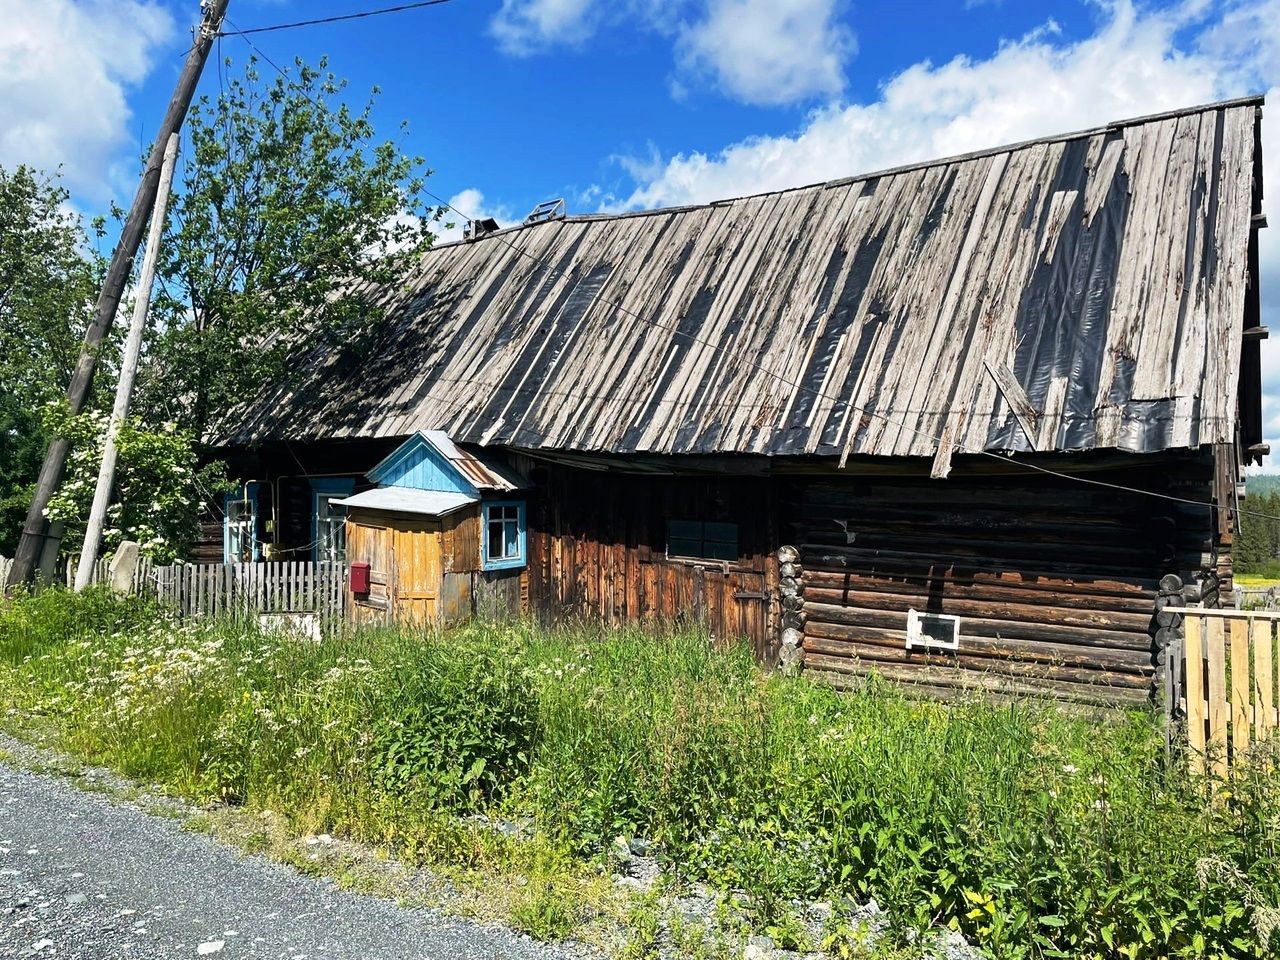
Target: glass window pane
{"x": 494, "y": 547}
{"x": 702, "y": 540}
{"x": 513, "y": 540}
{"x": 684, "y": 530}
{"x": 722, "y": 531}
{"x": 721, "y": 550}
{"x": 684, "y": 548}
{"x": 239, "y": 531}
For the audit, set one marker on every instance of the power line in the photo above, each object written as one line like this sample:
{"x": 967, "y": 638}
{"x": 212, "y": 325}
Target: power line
{"x": 338, "y": 19}
{"x": 848, "y": 404}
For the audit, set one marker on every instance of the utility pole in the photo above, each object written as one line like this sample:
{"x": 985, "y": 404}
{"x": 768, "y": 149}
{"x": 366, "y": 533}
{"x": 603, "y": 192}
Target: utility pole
{"x": 55, "y": 458}
{"x": 128, "y": 370}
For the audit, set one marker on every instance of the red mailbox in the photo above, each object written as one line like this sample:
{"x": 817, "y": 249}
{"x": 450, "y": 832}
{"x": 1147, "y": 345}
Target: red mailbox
{"x": 360, "y": 577}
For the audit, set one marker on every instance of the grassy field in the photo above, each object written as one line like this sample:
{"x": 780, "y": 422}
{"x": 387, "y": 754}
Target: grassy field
{"x": 1254, "y": 580}
{"x": 1034, "y": 832}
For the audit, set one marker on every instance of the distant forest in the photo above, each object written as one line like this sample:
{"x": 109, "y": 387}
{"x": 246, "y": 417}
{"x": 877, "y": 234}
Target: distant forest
{"x": 1256, "y": 549}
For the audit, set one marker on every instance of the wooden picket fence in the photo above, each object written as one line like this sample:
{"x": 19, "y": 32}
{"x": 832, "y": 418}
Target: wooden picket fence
{"x": 229, "y": 589}
{"x": 254, "y": 588}
{"x": 1223, "y": 679}
{"x": 66, "y": 574}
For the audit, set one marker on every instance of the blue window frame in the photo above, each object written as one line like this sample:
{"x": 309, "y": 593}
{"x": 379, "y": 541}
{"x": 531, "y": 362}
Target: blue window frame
{"x": 328, "y": 522}
{"x": 240, "y": 525}
{"x": 503, "y": 536}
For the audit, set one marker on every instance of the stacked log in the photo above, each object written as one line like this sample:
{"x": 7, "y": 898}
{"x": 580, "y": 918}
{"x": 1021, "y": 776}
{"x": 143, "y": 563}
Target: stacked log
{"x": 791, "y": 590}
{"x": 1166, "y": 631}
{"x": 1056, "y": 584}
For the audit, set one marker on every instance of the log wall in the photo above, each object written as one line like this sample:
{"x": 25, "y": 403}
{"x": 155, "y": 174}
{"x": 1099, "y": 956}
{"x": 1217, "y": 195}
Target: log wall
{"x": 1056, "y": 582}
{"x": 597, "y": 552}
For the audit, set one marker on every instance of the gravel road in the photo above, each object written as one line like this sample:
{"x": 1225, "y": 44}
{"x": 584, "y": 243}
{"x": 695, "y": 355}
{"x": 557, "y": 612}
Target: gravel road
{"x": 82, "y": 876}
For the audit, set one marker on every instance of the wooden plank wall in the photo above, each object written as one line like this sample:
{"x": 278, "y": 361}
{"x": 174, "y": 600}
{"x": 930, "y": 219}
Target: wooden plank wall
{"x": 460, "y": 546}
{"x": 597, "y": 552}
{"x": 1055, "y": 582}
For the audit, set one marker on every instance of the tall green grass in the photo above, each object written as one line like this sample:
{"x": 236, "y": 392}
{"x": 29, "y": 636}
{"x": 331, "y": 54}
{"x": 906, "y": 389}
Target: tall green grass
{"x": 1034, "y": 832}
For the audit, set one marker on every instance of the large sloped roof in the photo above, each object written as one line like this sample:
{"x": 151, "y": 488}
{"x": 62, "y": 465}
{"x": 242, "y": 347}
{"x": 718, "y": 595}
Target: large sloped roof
{"x": 1095, "y": 281}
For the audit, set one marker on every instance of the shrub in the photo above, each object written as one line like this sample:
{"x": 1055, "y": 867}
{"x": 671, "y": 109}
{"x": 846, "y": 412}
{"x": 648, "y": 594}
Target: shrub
{"x": 457, "y": 725}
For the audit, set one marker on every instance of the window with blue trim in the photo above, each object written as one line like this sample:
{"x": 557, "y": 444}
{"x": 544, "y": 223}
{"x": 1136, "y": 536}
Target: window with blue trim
{"x": 240, "y": 525}
{"x": 503, "y": 535}
{"x": 328, "y": 520}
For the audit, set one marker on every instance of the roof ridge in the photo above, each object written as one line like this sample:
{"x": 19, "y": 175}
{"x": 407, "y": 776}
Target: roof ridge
{"x": 1256, "y": 99}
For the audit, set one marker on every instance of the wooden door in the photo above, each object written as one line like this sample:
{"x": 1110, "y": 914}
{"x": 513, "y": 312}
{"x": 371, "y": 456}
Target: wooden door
{"x": 418, "y": 574}
{"x": 371, "y": 543}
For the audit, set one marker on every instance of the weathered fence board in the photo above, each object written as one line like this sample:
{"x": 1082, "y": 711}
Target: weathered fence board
{"x": 1258, "y": 598}
{"x": 1227, "y": 688}
{"x": 232, "y": 589}
{"x": 1194, "y": 673}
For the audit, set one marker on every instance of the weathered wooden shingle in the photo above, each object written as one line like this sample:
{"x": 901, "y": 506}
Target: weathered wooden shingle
{"x": 1102, "y": 275}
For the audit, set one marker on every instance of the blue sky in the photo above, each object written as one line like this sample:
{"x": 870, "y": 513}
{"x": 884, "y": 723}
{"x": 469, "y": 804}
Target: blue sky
{"x": 637, "y": 103}
{"x": 559, "y": 118}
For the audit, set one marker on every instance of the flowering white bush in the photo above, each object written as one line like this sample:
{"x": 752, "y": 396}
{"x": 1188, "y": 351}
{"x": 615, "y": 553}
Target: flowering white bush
{"x": 160, "y": 489}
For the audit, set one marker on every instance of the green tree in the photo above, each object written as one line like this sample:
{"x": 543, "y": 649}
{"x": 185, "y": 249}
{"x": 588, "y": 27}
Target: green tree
{"x": 1256, "y": 547}
{"x": 286, "y": 216}
{"x": 48, "y": 282}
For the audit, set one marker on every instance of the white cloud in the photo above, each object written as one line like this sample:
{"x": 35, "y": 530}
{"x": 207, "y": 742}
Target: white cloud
{"x": 1137, "y": 62}
{"x": 757, "y": 51}
{"x": 1028, "y": 88}
{"x": 768, "y": 51}
{"x": 523, "y": 27}
{"x": 65, "y": 70}
{"x": 469, "y": 204}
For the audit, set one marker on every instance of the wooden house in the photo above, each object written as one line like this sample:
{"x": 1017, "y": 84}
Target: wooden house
{"x": 439, "y": 528}
{"x": 969, "y": 422}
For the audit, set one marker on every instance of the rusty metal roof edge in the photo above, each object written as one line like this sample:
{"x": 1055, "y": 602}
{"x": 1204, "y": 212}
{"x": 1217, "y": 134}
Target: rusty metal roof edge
{"x": 1256, "y": 99}
{"x": 476, "y": 463}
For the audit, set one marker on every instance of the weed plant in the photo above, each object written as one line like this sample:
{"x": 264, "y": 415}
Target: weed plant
{"x": 1032, "y": 831}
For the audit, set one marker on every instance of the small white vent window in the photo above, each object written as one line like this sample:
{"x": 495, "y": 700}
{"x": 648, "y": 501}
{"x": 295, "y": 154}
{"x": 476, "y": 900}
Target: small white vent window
{"x": 932, "y": 630}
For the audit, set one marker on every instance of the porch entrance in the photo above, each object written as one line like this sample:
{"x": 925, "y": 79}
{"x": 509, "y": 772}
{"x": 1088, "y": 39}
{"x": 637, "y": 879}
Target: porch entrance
{"x": 416, "y": 556}
{"x": 404, "y": 557}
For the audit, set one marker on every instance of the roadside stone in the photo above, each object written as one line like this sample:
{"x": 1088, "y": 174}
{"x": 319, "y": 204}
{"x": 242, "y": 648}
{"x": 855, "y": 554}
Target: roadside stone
{"x": 210, "y": 947}
{"x": 621, "y": 849}
{"x": 950, "y": 945}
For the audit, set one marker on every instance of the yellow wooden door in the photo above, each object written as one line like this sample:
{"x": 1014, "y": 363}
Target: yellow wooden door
{"x": 418, "y": 572}
{"x": 371, "y": 544}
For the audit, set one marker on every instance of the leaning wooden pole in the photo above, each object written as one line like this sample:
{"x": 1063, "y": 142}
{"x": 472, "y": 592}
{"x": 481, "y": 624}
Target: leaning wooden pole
{"x": 55, "y": 458}
{"x": 128, "y": 371}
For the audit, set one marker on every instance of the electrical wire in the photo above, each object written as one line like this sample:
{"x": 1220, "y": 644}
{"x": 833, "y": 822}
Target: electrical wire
{"x": 818, "y": 394}
{"x": 401, "y": 8}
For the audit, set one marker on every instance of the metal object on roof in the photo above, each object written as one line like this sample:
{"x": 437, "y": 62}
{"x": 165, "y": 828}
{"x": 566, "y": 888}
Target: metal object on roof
{"x": 482, "y": 470}
{"x": 1072, "y": 293}
{"x": 547, "y": 210}
{"x": 475, "y": 229}
{"x": 431, "y": 503}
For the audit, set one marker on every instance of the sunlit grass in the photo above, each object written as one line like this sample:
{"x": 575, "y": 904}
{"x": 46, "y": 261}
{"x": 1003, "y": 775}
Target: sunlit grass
{"x": 1034, "y": 832}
